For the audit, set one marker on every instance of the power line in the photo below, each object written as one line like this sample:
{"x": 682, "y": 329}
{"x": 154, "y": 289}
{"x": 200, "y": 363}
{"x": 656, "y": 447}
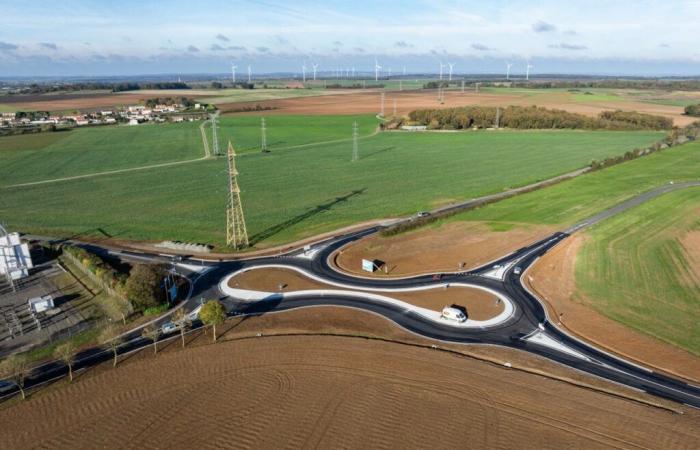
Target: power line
{"x": 355, "y": 148}
{"x": 236, "y": 232}
{"x": 214, "y": 134}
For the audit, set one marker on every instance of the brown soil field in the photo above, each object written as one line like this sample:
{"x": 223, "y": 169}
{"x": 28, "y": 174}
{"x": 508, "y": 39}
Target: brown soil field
{"x": 441, "y": 249}
{"x": 323, "y": 391}
{"x": 407, "y": 101}
{"x": 69, "y": 102}
{"x": 553, "y": 278}
{"x": 479, "y": 305}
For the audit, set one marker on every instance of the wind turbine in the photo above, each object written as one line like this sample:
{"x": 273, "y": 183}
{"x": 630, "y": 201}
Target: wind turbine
{"x": 233, "y": 72}
{"x": 441, "y": 67}
{"x": 376, "y": 69}
{"x": 315, "y": 66}
{"x": 250, "y": 73}
{"x": 389, "y": 72}
{"x": 527, "y": 70}
{"x": 303, "y": 72}
{"x": 353, "y": 72}
{"x": 451, "y": 65}
{"x": 508, "y": 66}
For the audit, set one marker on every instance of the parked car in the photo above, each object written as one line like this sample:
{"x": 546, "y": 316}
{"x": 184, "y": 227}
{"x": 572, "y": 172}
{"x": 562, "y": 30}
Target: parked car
{"x": 423, "y": 214}
{"x": 168, "y": 327}
{"x": 517, "y": 270}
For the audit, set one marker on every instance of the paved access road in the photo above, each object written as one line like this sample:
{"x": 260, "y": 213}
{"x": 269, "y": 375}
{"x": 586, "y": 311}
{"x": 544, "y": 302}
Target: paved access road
{"x": 528, "y": 328}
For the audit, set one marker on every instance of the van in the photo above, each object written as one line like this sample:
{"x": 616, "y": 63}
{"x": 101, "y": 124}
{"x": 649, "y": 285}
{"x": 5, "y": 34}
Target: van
{"x": 455, "y": 314}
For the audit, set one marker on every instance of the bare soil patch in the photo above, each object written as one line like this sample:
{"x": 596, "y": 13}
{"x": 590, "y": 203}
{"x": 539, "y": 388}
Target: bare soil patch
{"x": 76, "y": 102}
{"x": 442, "y": 249}
{"x": 319, "y": 391}
{"x": 480, "y": 305}
{"x": 553, "y": 278}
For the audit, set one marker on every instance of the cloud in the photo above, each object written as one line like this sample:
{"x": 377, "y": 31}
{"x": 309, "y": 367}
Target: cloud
{"x": 221, "y": 37}
{"x": 192, "y": 49}
{"x": 216, "y": 48}
{"x": 565, "y": 46}
{"x": 48, "y": 45}
{"x": 543, "y": 27}
{"x": 236, "y": 48}
{"x": 480, "y": 47}
{"x": 6, "y": 47}
{"x": 402, "y": 44}
{"x": 262, "y": 49}
{"x": 570, "y": 33}
{"x": 337, "y": 43}
{"x": 358, "y": 49}
{"x": 281, "y": 40}
{"x": 664, "y": 45}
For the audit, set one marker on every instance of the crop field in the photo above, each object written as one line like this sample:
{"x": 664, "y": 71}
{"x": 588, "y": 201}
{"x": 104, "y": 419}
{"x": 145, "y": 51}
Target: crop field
{"x": 43, "y": 156}
{"x": 290, "y": 131}
{"x": 298, "y": 192}
{"x": 574, "y": 200}
{"x": 217, "y": 97}
{"x": 642, "y": 268}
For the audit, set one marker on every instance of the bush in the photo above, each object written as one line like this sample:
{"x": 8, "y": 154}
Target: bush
{"x": 693, "y": 110}
{"x": 143, "y": 287}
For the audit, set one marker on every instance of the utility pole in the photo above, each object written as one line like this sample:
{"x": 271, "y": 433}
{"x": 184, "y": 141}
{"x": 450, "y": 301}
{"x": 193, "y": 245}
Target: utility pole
{"x": 236, "y": 233}
{"x": 476, "y": 87}
{"x": 263, "y": 136}
{"x": 214, "y": 134}
{"x": 498, "y": 116}
{"x": 355, "y": 148}
{"x": 462, "y": 85}
{"x": 382, "y": 107}
{"x": 400, "y": 85}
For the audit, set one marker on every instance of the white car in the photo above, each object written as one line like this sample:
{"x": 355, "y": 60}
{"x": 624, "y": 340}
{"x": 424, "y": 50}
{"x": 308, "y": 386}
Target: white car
{"x": 168, "y": 327}
{"x": 455, "y": 314}
{"x": 517, "y": 271}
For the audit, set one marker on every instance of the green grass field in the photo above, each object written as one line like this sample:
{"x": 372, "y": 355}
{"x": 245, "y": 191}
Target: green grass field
{"x": 291, "y": 131}
{"x": 44, "y": 156}
{"x": 634, "y": 269}
{"x": 574, "y": 200}
{"x": 298, "y": 192}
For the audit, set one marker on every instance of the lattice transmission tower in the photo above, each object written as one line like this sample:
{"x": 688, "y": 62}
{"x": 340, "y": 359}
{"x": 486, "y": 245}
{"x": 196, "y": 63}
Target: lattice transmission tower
{"x": 214, "y": 134}
{"x": 355, "y": 149}
{"x": 236, "y": 233}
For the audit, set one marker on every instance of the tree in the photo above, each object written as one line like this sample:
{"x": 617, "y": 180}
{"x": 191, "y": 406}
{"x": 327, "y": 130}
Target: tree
{"x": 213, "y": 313}
{"x": 110, "y": 336}
{"x": 144, "y": 286}
{"x": 182, "y": 322}
{"x": 15, "y": 368}
{"x": 693, "y": 110}
{"x": 66, "y": 353}
{"x": 151, "y": 332}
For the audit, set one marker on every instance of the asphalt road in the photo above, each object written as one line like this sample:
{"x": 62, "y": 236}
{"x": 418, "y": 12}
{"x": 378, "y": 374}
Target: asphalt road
{"x": 528, "y": 321}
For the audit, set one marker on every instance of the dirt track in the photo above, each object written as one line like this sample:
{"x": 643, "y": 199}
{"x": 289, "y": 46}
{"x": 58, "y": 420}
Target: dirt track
{"x": 313, "y": 391}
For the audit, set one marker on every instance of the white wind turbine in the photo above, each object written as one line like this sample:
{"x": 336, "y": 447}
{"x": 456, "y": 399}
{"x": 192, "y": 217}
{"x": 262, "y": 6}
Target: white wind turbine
{"x": 233, "y": 73}
{"x": 376, "y": 69}
{"x": 527, "y": 70}
{"x": 508, "y": 66}
{"x": 442, "y": 66}
{"x": 250, "y": 73}
{"x": 303, "y": 72}
{"x": 314, "y": 67}
{"x": 451, "y": 66}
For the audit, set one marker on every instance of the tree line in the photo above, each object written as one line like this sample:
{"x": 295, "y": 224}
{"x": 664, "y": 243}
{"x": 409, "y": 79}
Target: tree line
{"x": 120, "y": 87}
{"x": 531, "y": 117}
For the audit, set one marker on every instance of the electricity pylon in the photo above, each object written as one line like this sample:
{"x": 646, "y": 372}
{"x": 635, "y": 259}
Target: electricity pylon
{"x": 381, "y": 113}
{"x": 263, "y": 136}
{"x": 355, "y": 149}
{"x": 214, "y": 135}
{"x": 236, "y": 233}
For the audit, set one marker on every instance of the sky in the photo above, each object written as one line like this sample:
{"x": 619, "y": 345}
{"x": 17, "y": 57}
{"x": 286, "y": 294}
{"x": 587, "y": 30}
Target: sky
{"x": 98, "y": 38}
